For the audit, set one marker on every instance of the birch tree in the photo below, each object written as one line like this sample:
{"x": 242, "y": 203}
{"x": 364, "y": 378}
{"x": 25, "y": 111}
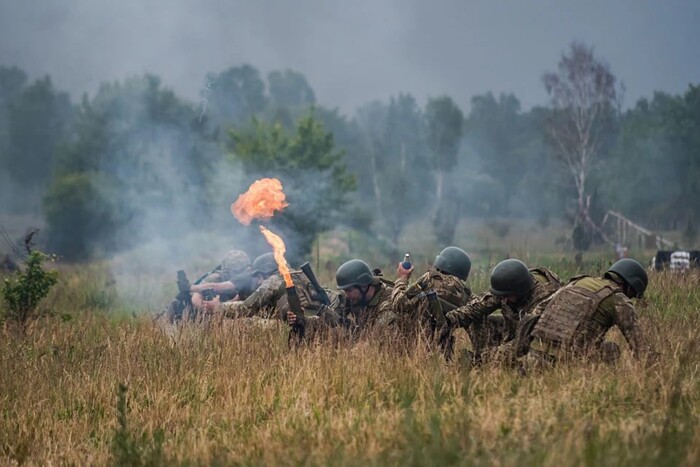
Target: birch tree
{"x": 583, "y": 98}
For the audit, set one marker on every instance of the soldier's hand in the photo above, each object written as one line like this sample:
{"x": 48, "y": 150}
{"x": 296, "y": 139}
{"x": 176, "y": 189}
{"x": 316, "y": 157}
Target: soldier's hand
{"x": 402, "y": 272}
{"x": 211, "y": 305}
{"x": 291, "y": 318}
{"x": 451, "y": 318}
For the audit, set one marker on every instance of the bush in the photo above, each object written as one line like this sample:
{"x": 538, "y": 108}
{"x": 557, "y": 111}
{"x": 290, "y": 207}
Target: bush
{"x": 27, "y": 288}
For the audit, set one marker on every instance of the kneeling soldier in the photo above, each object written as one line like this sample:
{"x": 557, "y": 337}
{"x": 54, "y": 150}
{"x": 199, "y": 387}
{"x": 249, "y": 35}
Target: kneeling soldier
{"x": 574, "y": 321}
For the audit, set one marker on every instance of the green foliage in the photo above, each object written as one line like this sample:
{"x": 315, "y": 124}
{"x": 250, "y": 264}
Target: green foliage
{"x": 27, "y": 288}
{"x": 311, "y": 169}
{"x": 139, "y": 164}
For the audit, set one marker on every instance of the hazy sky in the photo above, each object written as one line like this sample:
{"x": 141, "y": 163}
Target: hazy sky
{"x": 354, "y": 51}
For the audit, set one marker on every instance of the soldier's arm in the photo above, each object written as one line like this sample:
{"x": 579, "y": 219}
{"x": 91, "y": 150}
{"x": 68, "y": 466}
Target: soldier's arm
{"x": 478, "y": 308}
{"x": 265, "y": 296}
{"x": 400, "y": 301}
{"x": 625, "y": 318}
{"x": 233, "y": 309}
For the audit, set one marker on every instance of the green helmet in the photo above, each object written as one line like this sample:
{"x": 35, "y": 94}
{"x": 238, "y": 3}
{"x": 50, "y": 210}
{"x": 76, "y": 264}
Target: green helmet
{"x": 235, "y": 262}
{"x": 454, "y": 261}
{"x": 633, "y": 273}
{"x": 511, "y": 277}
{"x": 264, "y": 264}
{"x": 353, "y": 273}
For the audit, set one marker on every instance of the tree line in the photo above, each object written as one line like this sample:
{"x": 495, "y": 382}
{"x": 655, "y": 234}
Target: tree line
{"x": 136, "y": 160}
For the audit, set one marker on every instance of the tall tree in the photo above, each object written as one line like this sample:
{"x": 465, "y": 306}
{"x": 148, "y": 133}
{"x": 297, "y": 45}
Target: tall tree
{"x": 135, "y": 171}
{"x": 445, "y": 122}
{"x": 394, "y": 164}
{"x": 35, "y": 121}
{"x": 233, "y": 96}
{"x": 290, "y": 89}
{"x": 311, "y": 169}
{"x": 584, "y": 100}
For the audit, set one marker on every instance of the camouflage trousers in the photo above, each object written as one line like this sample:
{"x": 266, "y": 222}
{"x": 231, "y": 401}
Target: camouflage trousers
{"x": 544, "y": 354}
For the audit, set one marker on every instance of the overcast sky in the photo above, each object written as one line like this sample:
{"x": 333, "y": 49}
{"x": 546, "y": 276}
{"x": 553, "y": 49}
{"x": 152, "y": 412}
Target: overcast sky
{"x": 354, "y": 51}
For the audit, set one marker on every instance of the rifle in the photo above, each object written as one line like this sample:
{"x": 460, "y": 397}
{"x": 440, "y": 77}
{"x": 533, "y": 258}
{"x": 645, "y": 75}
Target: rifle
{"x": 309, "y": 273}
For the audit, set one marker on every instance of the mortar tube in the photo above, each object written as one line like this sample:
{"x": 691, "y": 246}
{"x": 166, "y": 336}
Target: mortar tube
{"x": 295, "y": 307}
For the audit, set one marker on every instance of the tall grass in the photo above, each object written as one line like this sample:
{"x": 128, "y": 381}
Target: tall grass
{"x": 97, "y": 390}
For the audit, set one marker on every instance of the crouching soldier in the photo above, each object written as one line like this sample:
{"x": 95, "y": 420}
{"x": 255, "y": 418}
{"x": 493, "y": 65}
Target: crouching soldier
{"x": 574, "y": 321}
{"x": 422, "y": 305}
{"x": 515, "y": 290}
{"x": 366, "y": 306}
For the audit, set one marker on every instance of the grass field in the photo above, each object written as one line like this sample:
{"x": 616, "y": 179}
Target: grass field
{"x": 95, "y": 385}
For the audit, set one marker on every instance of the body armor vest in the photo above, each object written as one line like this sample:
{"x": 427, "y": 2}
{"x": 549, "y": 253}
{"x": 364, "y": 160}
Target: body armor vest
{"x": 567, "y": 320}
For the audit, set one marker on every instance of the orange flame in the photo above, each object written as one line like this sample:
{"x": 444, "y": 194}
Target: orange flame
{"x": 279, "y": 249}
{"x": 263, "y": 198}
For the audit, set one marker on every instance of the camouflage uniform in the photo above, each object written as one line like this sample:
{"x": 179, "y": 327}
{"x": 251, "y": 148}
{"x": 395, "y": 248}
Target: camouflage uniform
{"x": 357, "y": 319}
{"x": 412, "y": 306}
{"x": 487, "y": 331}
{"x": 269, "y": 301}
{"x": 574, "y": 322}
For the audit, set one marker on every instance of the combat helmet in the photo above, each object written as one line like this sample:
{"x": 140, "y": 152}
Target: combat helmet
{"x": 454, "y": 261}
{"x": 264, "y": 265}
{"x": 511, "y": 277}
{"x": 632, "y": 272}
{"x": 353, "y": 273}
{"x": 235, "y": 262}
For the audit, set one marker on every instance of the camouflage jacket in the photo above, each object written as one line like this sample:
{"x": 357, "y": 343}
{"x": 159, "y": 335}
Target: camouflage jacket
{"x": 410, "y": 301}
{"x": 546, "y": 283}
{"x": 579, "y": 315}
{"x": 378, "y": 313}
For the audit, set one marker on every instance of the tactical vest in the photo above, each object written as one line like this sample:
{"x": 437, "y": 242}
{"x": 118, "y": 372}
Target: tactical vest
{"x": 564, "y": 323}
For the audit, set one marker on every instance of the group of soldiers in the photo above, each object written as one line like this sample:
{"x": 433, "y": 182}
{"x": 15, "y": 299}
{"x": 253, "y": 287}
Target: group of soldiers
{"x": 541, "y": 320}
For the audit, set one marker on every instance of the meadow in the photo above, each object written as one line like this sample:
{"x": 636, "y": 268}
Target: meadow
{"x": 96, "y": 383}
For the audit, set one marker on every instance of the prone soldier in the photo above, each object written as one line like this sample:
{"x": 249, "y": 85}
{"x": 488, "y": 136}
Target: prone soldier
{"x": 229, "y": 280}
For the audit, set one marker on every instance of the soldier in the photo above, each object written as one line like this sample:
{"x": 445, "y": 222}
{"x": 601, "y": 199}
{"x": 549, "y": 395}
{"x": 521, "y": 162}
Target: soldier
{"x": 516, "y": 291}
{"x": 367, "y": 301}
{"x": 424, "y": 313}
{"x": 269, "y": 301}
{"x": 574, "y": 321}
{"x": 232, "y": 280}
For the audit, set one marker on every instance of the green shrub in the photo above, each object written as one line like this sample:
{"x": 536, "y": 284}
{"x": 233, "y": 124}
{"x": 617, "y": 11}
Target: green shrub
{"x": 27, "y": 288}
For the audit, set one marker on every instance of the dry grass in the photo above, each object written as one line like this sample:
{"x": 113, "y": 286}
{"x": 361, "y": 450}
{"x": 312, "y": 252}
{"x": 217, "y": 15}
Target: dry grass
{"x": 239, "y": 395}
